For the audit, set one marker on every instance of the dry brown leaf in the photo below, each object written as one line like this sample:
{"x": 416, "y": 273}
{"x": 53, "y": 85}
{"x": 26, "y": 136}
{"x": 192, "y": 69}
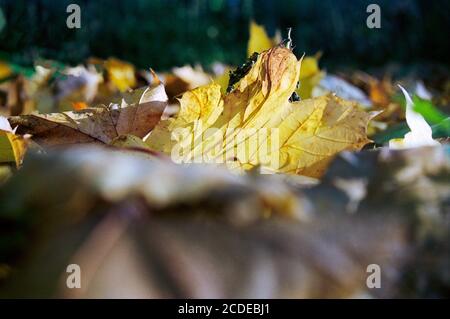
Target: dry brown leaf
{"x": 97, "y": 124}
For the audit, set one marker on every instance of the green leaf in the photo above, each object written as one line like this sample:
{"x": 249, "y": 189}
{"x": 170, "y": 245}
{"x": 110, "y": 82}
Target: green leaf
{"x": 430, "y": 112}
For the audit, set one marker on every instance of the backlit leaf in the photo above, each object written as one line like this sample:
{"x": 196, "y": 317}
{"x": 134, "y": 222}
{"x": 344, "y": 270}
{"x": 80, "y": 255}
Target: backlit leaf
{"x": 12, "y": 146}
{"x": 256, "y": 125}
{"x": 258, "y": 41}
{"x": 420, "y": 132}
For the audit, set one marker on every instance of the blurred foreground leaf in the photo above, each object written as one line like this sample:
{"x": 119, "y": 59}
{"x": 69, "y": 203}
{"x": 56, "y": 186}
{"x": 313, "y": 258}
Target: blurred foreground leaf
{"x": 172, "y": 231}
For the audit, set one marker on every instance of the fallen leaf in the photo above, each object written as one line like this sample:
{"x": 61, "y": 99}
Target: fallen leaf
{"x": 340, "y": 87}
{"x": 310, "y": 76}
{"x": 17, "y": 97}
{"x": 379, "y": 92}
{"x": 195, "y": 77}
{"x": 174, "y": 86}
{"x": 223, "y": 79}
{"x": 258, "y": 41}
{"x": 121, "y": 212}
{"x": 256, "y": 125}
{"x": 430, "y": 112}
{"x": 420, "y": 132}
{"x": 128, "y": 141}
{"x": 79, "y": 84}
{"x": 97, "y": 124}
{"x": 120, "y": 73}
{"x": 5, "y": 70}
{"x": 12, "y": 146}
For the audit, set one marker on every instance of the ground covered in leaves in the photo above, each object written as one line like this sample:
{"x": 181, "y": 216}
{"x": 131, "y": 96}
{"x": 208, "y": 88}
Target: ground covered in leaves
{"x": 270, "y": 179}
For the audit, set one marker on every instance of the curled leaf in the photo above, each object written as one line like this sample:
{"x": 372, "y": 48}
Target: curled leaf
{"x": 420, "y": 134}
{"x": 256, "y": 125}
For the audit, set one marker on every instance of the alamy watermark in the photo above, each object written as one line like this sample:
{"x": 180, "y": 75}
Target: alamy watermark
{"x": 374, "y": 279}
{"x": 374, "y": 19}
{"x": 233, "y": 146}
{"x": 74, "y": 278}
{"x": 73, "y": 21}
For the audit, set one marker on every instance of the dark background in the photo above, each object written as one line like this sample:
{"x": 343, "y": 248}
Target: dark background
{"x": 165, "y": 33}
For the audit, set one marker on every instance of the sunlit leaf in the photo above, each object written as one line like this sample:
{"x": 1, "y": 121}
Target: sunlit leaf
{"x": 12, "y": 146}
{"x": 420, "y": 132}
{"x": 257, "y": 125}
{"x": 258, "y": 41}
{"x": 429, "y": 111}
{"x": 98, "y": 124}
{"x": 310, "y": 76}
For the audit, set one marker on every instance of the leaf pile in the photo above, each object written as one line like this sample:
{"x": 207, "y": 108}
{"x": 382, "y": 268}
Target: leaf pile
{"x": 154, "y": 184}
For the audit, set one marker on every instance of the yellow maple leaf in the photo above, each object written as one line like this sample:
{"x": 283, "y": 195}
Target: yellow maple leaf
{"x": 223, "y": 79}
{"x": 12, "y": 146}
{"x": 310, "y": 76}
{"x": 310, "y": 73}
{"x": 258, "y": 41}
{"x": 121, "y": 74}
{"x": 257, "y": 125}
{"x": 5, "y": 70}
